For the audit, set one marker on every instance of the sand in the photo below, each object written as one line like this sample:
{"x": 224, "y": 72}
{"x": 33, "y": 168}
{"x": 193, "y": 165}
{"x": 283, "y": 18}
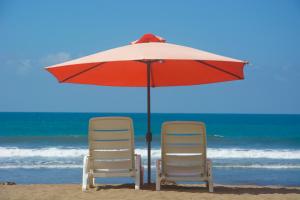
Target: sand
{"x": 126, "y": 192}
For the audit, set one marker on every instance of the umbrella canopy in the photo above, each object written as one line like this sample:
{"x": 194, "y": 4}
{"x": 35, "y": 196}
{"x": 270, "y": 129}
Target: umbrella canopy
{"x": 149, "y": 62}
{"x": 171, "y": 65}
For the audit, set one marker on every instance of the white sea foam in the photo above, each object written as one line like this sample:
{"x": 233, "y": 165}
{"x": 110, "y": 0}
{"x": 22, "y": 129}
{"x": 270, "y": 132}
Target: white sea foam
{"x": 65, "y": 158}
{"x": 41, "y": 152}
{"x": 260, "y": 166}
{"x": 214, "y": 153}
{"x": 253, "y": 153}
{"x": 219, "y": 136}
{"x": 230, "y": 153}
{"x": 51, "y": 166}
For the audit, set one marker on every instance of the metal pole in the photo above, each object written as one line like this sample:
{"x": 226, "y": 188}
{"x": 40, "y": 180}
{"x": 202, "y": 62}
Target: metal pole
{"x": 149, "y": 134}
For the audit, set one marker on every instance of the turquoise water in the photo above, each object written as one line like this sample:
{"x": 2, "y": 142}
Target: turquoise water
{"x": 265, "y": 146}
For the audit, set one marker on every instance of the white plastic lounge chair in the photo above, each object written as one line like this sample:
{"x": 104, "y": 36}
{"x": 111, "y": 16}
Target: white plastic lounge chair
{"x": 183, "y": 153}
{"x": 111, "y": 151}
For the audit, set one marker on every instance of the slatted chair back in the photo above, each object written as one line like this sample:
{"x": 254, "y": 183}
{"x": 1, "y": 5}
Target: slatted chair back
{"x": 184, "y": 150}
{"x": 111, "y": 144}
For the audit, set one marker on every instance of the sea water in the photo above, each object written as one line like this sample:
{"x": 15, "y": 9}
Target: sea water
{"x": 244, "y": 148}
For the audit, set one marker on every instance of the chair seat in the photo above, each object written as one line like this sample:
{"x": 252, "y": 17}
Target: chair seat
{"x": 113, "y": 173}
{"x": 185, "y": 174}
{"x": 184, "y": 178}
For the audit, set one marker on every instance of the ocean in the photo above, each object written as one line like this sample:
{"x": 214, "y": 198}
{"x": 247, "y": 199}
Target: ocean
{"x": 245, "y": 148}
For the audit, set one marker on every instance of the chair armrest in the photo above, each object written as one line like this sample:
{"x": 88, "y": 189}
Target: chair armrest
{"x": 208, "y": 166}
{"x": 158, "y": 164}
{"x": 138, "y": 160}
{"x": 208, "y": 163}
{"x": 137, "y": 156}
{"x": 86, "y": 164}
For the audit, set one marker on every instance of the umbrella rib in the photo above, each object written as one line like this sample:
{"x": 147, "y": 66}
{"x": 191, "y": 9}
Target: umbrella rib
{"x": 81, "y": 72}
{"x": 217, "y": 68}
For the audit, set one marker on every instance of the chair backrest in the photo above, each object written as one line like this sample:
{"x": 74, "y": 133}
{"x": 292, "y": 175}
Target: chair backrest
{"x": 111, "y": 143}
{"x": 183, "y": 148}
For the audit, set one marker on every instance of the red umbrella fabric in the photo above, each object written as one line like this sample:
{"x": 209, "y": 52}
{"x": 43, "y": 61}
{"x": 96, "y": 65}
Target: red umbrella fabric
{"x": 171, "y": 65}
{"x": 149, "y": 62}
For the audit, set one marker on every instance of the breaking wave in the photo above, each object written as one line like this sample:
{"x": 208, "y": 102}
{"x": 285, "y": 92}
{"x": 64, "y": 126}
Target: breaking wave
{"x": 213, "y": 153}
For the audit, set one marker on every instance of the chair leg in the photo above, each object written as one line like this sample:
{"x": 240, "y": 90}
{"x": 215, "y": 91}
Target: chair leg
{"x": 158, "y": 173}
{"x": 210, "y": 177}
{"x": 142, "y": 176}
{"x": 210, "y": 186}
{"x": 158, "y": 181}
{"x": 84, "y": 183}
{"x": 91, "y": 181}
{"x": 138, "y": 172}
{"x": 85, "y": 175}
{"x": 137, "y": 180}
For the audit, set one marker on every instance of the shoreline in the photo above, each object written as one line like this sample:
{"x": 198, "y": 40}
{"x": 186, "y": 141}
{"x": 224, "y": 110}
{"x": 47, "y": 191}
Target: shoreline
{"x": 126, "y": 191}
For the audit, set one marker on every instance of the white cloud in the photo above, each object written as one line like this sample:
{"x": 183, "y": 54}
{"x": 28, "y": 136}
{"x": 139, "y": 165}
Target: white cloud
{"x": 254, "y": 66}
{"x": 281, "y": 78}
{"x": 24, "y": 66}
{"x": 56, "y": 58}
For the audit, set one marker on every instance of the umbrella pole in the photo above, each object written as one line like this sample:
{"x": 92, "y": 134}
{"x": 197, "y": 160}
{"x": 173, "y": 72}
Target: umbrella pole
{"x": 149, "y": 134}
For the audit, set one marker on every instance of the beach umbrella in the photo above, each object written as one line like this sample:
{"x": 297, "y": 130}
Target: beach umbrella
{"x": 149, "y": 62}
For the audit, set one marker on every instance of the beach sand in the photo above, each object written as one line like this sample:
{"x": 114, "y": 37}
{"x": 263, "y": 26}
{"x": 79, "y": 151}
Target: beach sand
{"x": 126, "y": 192}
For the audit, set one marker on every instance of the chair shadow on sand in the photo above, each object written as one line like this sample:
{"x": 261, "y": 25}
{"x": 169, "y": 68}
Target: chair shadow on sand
{"x": 219, "y": 189}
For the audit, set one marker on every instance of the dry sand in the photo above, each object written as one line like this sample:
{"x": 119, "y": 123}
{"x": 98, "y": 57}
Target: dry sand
{"x": 126, "y": 192}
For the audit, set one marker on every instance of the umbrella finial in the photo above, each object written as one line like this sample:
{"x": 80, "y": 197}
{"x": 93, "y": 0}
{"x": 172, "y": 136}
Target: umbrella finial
{"x": 149, "y": 37}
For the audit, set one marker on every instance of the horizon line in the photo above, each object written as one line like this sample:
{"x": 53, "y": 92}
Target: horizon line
{"x": 151, "y": 112}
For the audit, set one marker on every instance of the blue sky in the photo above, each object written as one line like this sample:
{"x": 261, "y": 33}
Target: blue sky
{"x": 35, "y": 34}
